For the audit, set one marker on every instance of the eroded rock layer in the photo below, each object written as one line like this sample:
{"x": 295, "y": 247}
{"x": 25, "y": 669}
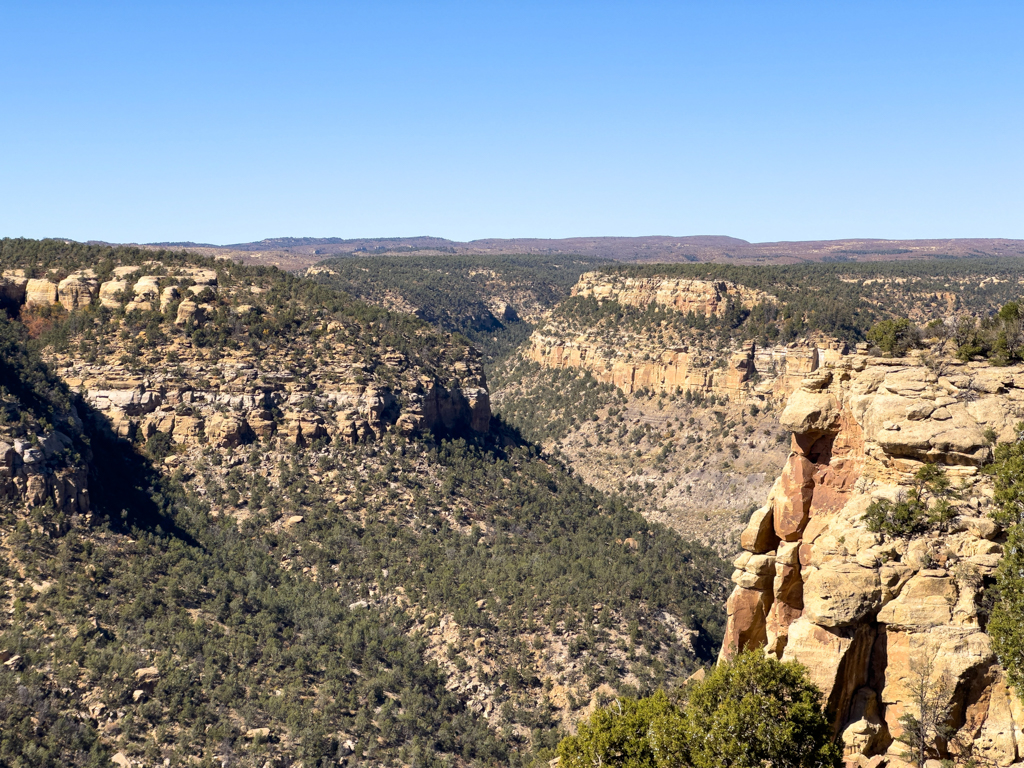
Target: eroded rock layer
{"x": 232, "y": 397}
{"x": 869, "y": 614}
{"x": 708, "y": 298}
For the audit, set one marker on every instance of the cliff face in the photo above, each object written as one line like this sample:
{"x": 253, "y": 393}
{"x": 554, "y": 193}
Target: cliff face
{"x": 165, "y": 382}
{"x": 40, "y": 467}
{"x": 747, "y": 373}
{"x": 649, "y": 360}
{"x": 708, "y": 298}
{"x": 870, "y": 614}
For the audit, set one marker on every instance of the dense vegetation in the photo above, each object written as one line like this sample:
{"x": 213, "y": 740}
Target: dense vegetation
{"x": 553, "y": 401}
{"x": 459, "y": 292}
{"x": 1005, "y": 624}
{"x": 749, "y": 712}
{"x": 288, "y": 306}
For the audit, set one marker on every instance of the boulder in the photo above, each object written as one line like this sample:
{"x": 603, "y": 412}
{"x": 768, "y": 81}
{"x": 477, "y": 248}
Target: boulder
{"x": 190, "y": 312}
{"x": 111, "y": 291}
{"x": 187, "y": 429}
{"x": 759, "y": 535}
{"x": 809, "y": 413}
{"x": 226, "y": 430}
{"x": 168, "y": 296}
{"x": 147, "y": 288}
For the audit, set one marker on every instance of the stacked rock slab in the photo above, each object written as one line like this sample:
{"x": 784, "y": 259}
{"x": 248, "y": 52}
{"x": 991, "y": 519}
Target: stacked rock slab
{"x": 863, "y": 612}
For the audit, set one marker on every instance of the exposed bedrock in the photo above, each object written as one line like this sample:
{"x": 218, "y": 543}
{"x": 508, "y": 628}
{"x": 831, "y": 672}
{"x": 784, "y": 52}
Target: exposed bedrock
{"x": 864, "y": 612}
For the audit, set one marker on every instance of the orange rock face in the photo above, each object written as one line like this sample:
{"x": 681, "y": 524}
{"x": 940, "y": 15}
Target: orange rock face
{"x": 866, "y": 613}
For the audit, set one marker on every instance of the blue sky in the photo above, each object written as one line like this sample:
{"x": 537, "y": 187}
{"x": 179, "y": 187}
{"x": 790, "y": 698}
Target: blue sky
{"x": 227, "y": 122}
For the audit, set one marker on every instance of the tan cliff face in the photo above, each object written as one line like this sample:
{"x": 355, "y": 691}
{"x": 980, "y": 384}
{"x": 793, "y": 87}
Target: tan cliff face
{"x": 708, "y": 298}
{"x": 865, "y": 612}
{"x": 749, "y": 373}
{"x": 647, "y": 361}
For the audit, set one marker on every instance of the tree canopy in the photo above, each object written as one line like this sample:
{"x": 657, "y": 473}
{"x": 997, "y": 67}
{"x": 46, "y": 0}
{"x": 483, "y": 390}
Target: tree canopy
{"x": 750, "y": 712}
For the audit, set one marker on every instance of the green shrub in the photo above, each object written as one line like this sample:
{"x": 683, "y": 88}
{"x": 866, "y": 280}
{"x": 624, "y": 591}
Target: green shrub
{"x": 749, "y": 712}
{"x": 910, "y": 514}
{"x": 894, "y": 337}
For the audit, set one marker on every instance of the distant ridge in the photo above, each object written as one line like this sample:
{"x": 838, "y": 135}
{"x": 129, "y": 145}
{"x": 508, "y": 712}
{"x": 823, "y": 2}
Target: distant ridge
{"x": 296, "y": 253}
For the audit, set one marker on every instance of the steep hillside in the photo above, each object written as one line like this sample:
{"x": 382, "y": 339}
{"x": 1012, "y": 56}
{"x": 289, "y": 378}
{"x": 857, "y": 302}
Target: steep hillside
{"x": 303, "y": 537}
{"x": 872, "y": 559}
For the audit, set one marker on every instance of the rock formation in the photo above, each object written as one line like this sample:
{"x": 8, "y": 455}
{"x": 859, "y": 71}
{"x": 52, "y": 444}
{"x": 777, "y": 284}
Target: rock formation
{"x": 12, "y": 286}
{"x": 40, "y": 292}
{"x": 34, "y": 472}
{"x": 865, "y": 612}
{"x": 77, "y": 290}
{"x": 743, "y": 372}
{"x": 239, "y": 400}
{"x": 708, "y": 298}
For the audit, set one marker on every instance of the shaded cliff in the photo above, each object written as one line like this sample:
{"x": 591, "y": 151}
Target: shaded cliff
{"x": 872, "y": 614}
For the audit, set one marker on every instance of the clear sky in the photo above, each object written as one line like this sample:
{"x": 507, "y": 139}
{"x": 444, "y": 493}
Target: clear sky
{"x": 233, "y": 121}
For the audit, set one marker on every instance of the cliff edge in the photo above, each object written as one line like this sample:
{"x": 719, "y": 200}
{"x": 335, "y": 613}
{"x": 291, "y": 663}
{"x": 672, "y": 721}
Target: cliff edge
{"x": 871, "y": 615}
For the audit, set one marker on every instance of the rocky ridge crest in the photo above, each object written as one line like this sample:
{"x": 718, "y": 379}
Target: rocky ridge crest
{"x": 709, "y": 298}
{"x": 232, "y": 397}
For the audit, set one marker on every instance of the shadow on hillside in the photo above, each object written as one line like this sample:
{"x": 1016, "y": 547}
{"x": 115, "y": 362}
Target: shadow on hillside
{"x": 124, "y": 486}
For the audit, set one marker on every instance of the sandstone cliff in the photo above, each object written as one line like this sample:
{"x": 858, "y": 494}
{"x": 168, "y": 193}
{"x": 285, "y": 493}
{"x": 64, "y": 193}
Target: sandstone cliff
{"x": 661, "y": 357}
{"x": 866, "y": 612}
{"x": 709, "y": 298}
{"x": 197, "y": 395}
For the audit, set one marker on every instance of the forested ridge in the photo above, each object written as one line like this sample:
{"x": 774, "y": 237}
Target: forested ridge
{"x": 844, "y": 299}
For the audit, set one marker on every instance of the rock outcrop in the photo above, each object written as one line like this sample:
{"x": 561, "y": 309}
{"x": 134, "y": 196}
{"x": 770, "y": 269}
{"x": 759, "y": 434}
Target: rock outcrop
{"x": 235, "y": 399}
{"x": 707, "y": 298}
{"x": 865, "y": 613}
{"x": 748, "y": 373}
{"x": 650, "y": 361}
{"x": 13, "y": 284}
{"x": 40, "y": 292}
{"x": 77, "y": 290}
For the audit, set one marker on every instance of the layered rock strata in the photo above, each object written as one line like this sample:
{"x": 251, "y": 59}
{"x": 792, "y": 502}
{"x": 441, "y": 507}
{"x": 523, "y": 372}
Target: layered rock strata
{"x": 868, "y": 614}
{"x": 644, "y": 360}
{"x": 749, "y": 373}
{"x": 237, "y": 400}
{"x": 707, "y": 298}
